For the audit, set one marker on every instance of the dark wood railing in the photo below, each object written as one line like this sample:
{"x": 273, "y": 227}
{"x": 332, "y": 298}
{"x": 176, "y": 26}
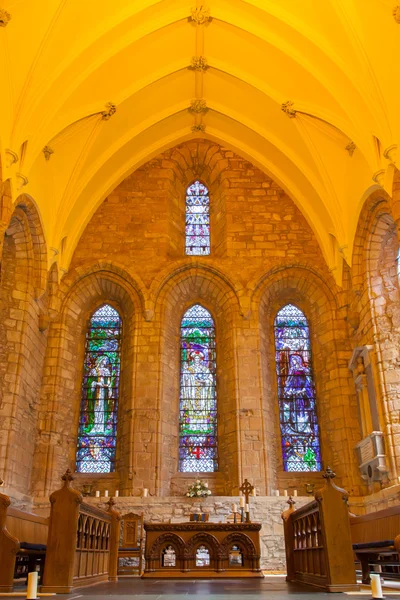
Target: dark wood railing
{"x": 318, "y": 541}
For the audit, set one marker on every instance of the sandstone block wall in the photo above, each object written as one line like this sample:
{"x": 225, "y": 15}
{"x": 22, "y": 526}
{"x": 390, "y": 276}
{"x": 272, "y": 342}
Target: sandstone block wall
{"x": 131, "y": 255}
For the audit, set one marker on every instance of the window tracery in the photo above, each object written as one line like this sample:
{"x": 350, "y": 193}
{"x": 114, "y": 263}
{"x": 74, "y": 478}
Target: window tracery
{"x": 100, "y": 392}
{"x": 296, "y": 392}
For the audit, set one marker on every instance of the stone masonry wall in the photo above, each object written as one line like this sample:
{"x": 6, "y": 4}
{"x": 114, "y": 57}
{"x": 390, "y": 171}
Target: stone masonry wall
{"x": 263, "y": 255}
{"x": 131, "y": 254}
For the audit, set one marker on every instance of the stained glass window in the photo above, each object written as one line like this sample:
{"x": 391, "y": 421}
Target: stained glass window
{"x": 398, "y": 264}
{"x": 100, "y": 391}
{"x": 198, "y": 398}
{"x": 296, "y": 392}
{"x": 197, "y": 220}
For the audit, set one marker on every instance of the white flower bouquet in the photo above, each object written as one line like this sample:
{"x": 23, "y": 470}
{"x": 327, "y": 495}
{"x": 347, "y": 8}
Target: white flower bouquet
{"x": 198, "y": 490}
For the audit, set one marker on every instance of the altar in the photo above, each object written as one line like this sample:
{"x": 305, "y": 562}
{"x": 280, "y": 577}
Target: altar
{"x": 202, "y": 549}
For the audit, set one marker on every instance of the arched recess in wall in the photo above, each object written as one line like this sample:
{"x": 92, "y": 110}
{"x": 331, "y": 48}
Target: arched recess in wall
{"x": 22, "y": 343}
{"x": 197, "y": 220}
{"x": 297, "y": 401}
{"x": 377, "y": 301}
{"x": 178, "y": 292}
{"x": 336, "y": 402}
{"x": 79, "y": 297}
{"x": 98, "y": 419}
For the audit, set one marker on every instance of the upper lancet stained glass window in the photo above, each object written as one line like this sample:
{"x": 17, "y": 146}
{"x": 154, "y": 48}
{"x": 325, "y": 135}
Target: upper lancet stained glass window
{"x": 296, "y": 392}
{"x": 100, "y": 392}
{"x": 198, "y": 398}
{"x": 197, "y": 220}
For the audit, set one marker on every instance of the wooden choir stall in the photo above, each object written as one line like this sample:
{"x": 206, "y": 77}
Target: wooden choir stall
{"x": 82, "y": 545}
{"x": 202, "y": 549}
{"x": 318, "y": 540}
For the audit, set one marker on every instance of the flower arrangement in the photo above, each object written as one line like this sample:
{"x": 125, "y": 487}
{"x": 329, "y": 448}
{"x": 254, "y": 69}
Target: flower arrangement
{"x": 198, "y": 490}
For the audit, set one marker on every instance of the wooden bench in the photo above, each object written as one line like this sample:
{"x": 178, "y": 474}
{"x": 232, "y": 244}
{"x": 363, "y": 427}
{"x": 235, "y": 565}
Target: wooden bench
{"x": 376, "y": 541}
{"x": 318, "y": 541}
{"x": 82, "y": 545}
{"x": 23, "y": 538}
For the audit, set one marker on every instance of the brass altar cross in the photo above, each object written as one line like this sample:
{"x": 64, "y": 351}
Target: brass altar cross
{"x": 246, "y": 488}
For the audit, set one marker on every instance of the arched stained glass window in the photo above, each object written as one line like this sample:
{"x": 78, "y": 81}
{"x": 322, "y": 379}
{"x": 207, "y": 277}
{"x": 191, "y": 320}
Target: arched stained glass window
{"x": 100, "y": 392}
{"x": 197, "y": 220}
{"x": 296, "y": 392}
{"x": 398, "y": 264}
{"x": 198, "y": 398}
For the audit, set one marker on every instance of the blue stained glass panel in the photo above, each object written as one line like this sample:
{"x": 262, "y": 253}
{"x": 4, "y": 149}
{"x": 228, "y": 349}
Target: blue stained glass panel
{"x": 296, "y": 392}
{"x": 100, "y": 392}
{"x": 197, "y": 220}
{"x": 198, "y": 397}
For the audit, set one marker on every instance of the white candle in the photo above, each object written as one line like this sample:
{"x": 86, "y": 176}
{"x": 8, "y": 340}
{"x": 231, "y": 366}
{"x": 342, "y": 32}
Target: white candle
{"x": 276, "y": 492}
{"x": 145, "y": 492}
{"x": 116, "y": 493}
{"x": 285, "y": 492}
{"x": 294, "y": 492}
{"x": 376, "y": 587}
{"x": 97, "y": 493}
{"x": 31, "y": 592}
{"x": 235, "y": 508}
{"x": 247, "y": 508}
{"x": 106, "y": 493}
{"x": 241, "y": 501}
{"x": 253, "y": 493}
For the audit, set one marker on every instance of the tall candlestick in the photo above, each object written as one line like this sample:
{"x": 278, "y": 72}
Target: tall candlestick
{"x": 106, "y": 493}
{"x": 376, "y": 587}
{"x": 31, "y": 592}
{"x": 116, "y": 493}
{"x": 242, "y": 503}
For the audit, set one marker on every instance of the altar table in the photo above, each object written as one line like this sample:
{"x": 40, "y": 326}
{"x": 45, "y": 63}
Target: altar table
{"x": 198, "y": 549}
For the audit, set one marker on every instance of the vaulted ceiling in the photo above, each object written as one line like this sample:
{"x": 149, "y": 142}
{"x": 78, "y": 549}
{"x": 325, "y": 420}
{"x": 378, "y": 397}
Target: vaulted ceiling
{"x": 64, "y": 61}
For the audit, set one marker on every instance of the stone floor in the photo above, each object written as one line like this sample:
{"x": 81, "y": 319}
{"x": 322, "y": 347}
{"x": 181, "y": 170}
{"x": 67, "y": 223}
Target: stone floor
{"x": 272, "y": 587}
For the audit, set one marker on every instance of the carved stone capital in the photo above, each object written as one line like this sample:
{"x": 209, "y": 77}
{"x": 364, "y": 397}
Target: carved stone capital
{"x": 5, "y": 17}
{"x": 47, "y": 151}
{"x": 379, "y": 177}
{"x": 22, "y": 181}
{"x": 350, "y": 148}
{"x": 396, "y": 14}
{"x": 11, "y": 157}
{"x": 390, "y": 153}
{"x": 199, "y": 63}
{"x": 200, "y": 15}
{"x": 198, "y": 106}
{"x": 111, "y": 109}
{"x": 288, "y": 109}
